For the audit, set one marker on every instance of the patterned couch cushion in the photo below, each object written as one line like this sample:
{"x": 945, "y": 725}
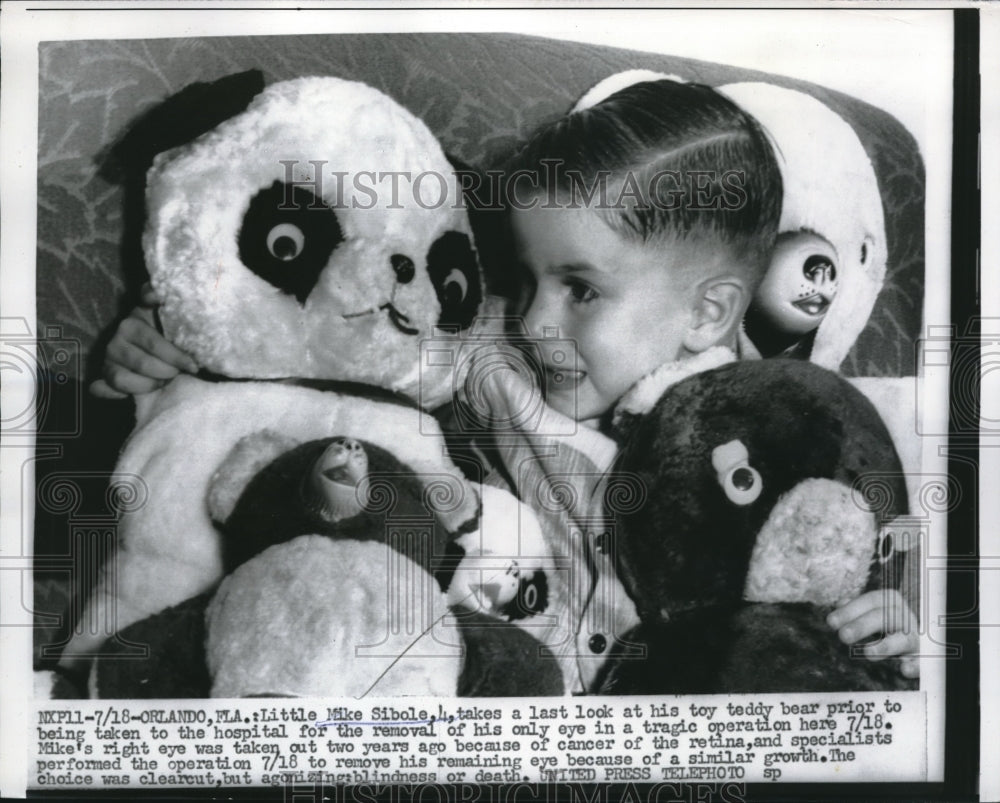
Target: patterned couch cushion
{"x": 479, "y": 93}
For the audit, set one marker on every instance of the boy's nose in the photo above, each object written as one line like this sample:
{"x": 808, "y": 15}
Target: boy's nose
{"x": 541, "y": 319}
{"x": 548, "y": 335}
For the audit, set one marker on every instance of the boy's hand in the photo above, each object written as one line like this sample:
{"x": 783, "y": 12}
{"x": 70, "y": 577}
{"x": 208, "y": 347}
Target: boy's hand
{"x": 883, "y": 611}
{"x": 139, "y": 359}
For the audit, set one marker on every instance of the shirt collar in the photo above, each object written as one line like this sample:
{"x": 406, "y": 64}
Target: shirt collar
{"x": 640, "y": 399}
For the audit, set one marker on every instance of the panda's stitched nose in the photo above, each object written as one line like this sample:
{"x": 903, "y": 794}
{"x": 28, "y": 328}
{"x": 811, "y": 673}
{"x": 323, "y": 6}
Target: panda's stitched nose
{"x": 403, "y": 266}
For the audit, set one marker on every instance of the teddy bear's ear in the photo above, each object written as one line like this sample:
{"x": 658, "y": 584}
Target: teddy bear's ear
{"x": 489, "y": 230}
{"x": 194, "y": 110}
{"x": 244, "y": 461}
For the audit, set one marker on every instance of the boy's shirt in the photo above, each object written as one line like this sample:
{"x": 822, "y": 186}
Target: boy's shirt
{"x": 558, "y": 468}
{"x": 563, "y": 471}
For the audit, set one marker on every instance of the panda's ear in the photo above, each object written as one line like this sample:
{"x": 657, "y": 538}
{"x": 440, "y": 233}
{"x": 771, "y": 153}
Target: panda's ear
{"x": 245, "y": 460}
{"x": 475, "y": 189}
{"x": 461, "y": 167}
{"x": 458, "y": 163}
{"x": 488, "y": 220}
{"x": 180, "y": 118}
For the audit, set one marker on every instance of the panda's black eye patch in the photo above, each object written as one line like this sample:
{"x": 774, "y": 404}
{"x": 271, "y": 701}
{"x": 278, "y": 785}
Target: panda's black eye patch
{"x": 454, "y": 272}
{"x": 287, "y": 237}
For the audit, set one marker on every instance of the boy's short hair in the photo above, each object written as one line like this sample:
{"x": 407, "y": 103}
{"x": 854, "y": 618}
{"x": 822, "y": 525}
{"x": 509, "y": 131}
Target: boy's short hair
{"x": 675, "y": 159}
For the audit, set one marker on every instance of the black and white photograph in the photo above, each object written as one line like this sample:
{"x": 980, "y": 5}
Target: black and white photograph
{"x": 557, "y": 402}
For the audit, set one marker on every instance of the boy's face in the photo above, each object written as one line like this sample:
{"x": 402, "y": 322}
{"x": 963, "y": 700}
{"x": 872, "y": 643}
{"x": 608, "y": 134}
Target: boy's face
{"x": 625, "y": 306}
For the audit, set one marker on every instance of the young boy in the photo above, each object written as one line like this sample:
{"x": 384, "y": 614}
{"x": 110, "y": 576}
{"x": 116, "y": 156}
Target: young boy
{"x": 646, "y": 224}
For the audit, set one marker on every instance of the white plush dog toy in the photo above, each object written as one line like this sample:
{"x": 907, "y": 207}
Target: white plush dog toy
{"x": 830, "y": 261}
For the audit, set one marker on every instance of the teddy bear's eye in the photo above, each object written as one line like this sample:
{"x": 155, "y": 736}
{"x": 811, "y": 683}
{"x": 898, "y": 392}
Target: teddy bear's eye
{"x": 456, "y": 286}
{"x": 454, "y": 272}
{"x": 742, "y": 485}
{"x": 819, "y": 268}
{"x": 285, "y": 241}
{"x": 287, "y": 237}
{"x": 740, "y": 481}
{"x": 531, "y": 597}
{"x": 885, "y": 547}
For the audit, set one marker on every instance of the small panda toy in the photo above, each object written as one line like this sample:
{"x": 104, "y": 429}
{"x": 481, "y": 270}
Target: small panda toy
{"x": 341, "y": 581}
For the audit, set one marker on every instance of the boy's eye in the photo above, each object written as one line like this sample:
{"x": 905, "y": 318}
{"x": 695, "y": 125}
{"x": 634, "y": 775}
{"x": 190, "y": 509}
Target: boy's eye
{"x": 582, "y": 293}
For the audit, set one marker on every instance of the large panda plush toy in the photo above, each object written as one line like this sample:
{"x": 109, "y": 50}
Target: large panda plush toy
{"x": 311, "y": 294}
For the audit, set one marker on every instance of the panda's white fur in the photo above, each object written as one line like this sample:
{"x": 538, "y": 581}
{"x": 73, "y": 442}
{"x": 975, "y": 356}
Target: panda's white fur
{"x": 240, "y": 327}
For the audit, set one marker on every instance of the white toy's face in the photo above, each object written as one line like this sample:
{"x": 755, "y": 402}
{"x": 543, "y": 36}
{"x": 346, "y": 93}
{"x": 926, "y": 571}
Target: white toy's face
{"x": 316, "y": 235}
{"x": 289, "y": 237}
{"x": 514, "y": 593}
{"x": 800, "y": 284}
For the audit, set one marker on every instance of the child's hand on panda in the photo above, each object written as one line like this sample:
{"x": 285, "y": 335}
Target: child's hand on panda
{"x": 139, "y": 359}
{"x": 882, "y": 611}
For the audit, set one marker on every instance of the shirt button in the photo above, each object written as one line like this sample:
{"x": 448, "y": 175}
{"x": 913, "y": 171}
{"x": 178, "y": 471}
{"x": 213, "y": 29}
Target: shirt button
{"x": 597, "y": 643}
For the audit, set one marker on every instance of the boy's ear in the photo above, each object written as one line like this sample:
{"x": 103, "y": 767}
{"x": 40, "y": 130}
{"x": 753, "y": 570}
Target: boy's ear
{"x": 719, "y": 305}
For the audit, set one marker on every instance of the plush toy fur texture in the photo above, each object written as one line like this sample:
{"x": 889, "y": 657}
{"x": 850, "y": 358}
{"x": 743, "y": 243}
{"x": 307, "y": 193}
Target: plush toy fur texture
{"x": 308, "y": 618}
{"x": 830, "y": 189}
{"x": 732, "y": 590}
{"x": 270, "y": 504}
{"x": 505, "y": 562}
{"x": 802, "y": 554}
{"x": 169, "y": 549}
{"x": 299, "y": 587}
{"x": 373, "y": 588}
{"x": 746, "y": 649}
{"x": 311, "y": 604}
{"x": 237, "y": 323}
{"x": 355, "y": 607}
{"x": 174, "y": 666}
{"x": 323, "y": 298}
